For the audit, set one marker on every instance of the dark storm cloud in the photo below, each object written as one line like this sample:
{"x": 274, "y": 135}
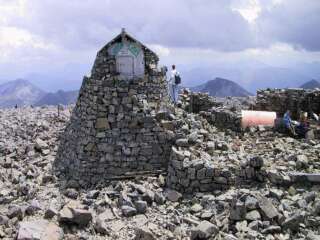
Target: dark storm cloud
{"x": 295, "y": 22}
{"x": 193, "y": 23}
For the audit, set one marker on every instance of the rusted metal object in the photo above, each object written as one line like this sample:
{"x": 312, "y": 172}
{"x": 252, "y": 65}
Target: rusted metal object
{"x": 257, "y": 118}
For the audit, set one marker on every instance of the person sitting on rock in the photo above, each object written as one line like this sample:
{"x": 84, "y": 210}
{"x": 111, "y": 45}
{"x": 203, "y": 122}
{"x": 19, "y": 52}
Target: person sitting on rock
{"x": 303, "y": 126}
{"x": 288, "y": 123}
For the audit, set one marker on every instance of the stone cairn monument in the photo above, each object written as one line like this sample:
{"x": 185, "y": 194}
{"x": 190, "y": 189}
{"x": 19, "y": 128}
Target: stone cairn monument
{"x": 113, "y": 131}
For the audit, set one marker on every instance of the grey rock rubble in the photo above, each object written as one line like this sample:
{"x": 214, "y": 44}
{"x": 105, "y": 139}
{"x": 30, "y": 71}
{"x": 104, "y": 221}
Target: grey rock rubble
{"x": 33, "y": 201}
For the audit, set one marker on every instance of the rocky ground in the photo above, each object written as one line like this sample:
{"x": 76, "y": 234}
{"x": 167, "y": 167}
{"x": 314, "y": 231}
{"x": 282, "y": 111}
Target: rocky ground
{"x": 34, "y": 204}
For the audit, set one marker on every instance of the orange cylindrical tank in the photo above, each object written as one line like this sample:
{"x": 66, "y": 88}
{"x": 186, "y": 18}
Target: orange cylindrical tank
{"x": 256, "y": 118}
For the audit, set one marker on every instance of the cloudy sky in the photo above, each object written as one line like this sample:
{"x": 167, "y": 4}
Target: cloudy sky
{"x": 61, "y": 38}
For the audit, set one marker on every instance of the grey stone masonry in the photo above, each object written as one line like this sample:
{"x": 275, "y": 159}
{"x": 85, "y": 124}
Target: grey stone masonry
{"x": 281, "y": 100}
{"x": 189, "y": 175}
{"x": 213, "y": 111}
{"x": 201, "y": 102}
{"x": 223, "y": 118}
{"x": 113, "y": 130}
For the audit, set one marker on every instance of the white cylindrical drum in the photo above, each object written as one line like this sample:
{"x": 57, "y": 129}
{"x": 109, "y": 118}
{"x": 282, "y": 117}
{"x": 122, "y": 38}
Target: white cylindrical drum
{"x": 256, "y": 118}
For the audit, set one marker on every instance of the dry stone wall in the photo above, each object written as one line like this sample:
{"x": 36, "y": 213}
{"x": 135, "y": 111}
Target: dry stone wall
{"x": 213, "y": 111}
{"x": 224, "y": 118}
{"x": 189, "y": 175}
{"x": 195, "y": 175}
{"x": 200, "y": 102}
{"x": 281, "y": 100}
{"x": 113, "y": 130}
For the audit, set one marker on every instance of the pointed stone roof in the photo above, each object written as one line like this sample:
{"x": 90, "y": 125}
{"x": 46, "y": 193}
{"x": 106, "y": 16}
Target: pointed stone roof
{"x": 124, "y": 36}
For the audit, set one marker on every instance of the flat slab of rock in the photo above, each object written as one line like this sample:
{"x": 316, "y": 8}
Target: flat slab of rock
{"x": 81, "y": 217}
{"x": 204, "y": 230}
{"x": 39, "y": 230}
{"x": 73, "y": 213}
{"x": 141, "y": 206}
{"x": 144, "y": 233}
{"x": 65, "y": 215}
{"x": 253, "y": 215}
{"x": 196, "y": 208}
{"x": 100, "y": 223}
{"x": 267, "y": 207}
{"x": 128, "y": 211}
{"x": 173, "y": 195}
{"x": 303, "y": 177}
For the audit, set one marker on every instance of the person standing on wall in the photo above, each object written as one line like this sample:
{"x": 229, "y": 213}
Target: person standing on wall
{"x": 175, "y": 80}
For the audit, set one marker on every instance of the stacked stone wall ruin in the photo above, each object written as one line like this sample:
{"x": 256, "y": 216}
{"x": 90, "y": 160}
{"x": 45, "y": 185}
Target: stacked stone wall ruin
{"x": 223, "y": 118}
{"x": 212, "y": 110}
{"x": 199, "y": 102}
{"x": 188, "y": 174}
{"x": 281, "y": 100}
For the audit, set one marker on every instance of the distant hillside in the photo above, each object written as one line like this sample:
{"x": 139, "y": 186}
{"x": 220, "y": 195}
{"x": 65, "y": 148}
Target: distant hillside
{"x": 310, "y": 85}
{"x": 251, "y": 77}
{"x": 20, "y": 92}
{"x": 220, "y": 87}
{"x": 59, "y": 97}
{"x": 23, "y": 93}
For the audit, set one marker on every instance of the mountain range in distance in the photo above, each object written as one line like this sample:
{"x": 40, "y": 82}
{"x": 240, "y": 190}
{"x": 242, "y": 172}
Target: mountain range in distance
{"x": 220, "y": 87}
{"x": 22, "y": 92}
{"x": 251, "y": 75}
{"x": 312, "y": 84}
{"x": 19, "y": 92}
{"x": 59, "y": 97}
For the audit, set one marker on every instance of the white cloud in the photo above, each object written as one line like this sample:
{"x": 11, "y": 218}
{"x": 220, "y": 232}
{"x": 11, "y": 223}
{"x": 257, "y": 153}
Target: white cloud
{"x": 11, "y": 8}
{"x": 249, "y": 9}
{"x": 160, "y": 50}
{"x": 15, "y": 43}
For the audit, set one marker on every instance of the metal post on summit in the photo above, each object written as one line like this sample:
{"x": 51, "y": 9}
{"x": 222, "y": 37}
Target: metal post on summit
{"x": 59, "y": 108}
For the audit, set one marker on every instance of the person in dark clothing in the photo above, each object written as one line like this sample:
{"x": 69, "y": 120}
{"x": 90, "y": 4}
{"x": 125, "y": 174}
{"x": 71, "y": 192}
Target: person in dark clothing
{"x": 303, "y": 127}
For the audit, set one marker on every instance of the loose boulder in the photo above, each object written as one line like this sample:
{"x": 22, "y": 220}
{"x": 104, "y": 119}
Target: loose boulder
{"x": 204, "y": 230}
{"x": 39, "y": 230}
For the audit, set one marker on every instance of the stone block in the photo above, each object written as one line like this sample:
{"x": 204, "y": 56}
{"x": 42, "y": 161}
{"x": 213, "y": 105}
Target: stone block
{"x": 192, "y": 173}
{"x": 201, "y": 173}
{"x": 102, "y": 123}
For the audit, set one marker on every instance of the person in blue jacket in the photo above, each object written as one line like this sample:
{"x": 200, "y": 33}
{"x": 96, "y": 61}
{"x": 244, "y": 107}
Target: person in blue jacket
{"x": 288, "y": 123}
